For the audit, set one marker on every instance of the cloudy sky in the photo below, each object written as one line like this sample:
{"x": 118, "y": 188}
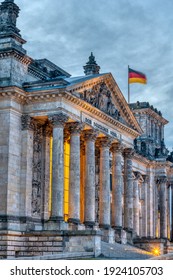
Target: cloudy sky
{"x": 119, "y": 32}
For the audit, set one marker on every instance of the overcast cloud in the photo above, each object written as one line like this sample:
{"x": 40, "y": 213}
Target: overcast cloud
{"x": 119, "y": 32}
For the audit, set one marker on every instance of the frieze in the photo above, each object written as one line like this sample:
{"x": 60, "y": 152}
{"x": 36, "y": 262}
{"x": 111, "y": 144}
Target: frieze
{"x": 101, "y": 127}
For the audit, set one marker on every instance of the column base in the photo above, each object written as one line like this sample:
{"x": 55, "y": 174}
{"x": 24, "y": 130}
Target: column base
{"x": 56, "y": 218}
{"x": 120, "y": 235}
{"x": 89, "y": 224}
{"x": 129, "y": 234}
{"x": 54, "y": 224}
{"x": 108, "y": 235}
{"x": 74, "y": 221}
{"x": 104, "y": 226}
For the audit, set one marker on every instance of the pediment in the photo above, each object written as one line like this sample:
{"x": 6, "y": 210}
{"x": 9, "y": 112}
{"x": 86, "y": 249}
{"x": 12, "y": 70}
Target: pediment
{"x": 103, "y": 93}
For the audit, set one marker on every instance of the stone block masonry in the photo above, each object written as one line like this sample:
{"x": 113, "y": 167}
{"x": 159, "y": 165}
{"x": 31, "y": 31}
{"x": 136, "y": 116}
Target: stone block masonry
{"x": 17, "y": 245}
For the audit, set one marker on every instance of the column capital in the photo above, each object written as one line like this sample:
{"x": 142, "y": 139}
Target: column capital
{"x": 104, "y": 142}
{"x": 137, "y": 175}
{"x": 128, "y": 153}
{"x": 47, "y": 130}
{"x": 146, "y": 178}
{"x": 75, "y": 127}
{"x": 58, "y": 119}
{"x": 116, "y": 147}
{"x": 90, "y": 135}
{"x": 27, "y": 122}
{"x": 162, "y": 179}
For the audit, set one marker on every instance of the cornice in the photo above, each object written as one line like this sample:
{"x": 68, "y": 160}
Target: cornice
{"x": 51, "y": 95}
{"x": 151, "y": 113}
{"x": 13, "y": 93}
{"x": 17, "y": 55}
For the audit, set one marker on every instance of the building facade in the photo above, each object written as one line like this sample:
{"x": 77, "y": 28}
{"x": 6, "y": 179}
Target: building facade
{"x": 77, "y": 163}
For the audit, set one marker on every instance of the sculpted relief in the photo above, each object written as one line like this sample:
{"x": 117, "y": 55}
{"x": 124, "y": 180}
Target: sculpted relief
{"x": 100, "y": 97}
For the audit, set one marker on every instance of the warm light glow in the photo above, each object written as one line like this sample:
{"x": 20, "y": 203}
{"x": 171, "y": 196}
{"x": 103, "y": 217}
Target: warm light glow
{"x": 66, "y": 178}
{"x": 156, "y": 251}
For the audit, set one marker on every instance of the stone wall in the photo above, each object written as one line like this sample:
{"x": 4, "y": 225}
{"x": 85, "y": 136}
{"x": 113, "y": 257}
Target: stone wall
{"x": 15, "y": 245}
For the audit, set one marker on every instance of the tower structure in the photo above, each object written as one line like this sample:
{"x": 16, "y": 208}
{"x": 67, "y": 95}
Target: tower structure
{"x": 13, "y": 59}
{"x": 91, "y": 66}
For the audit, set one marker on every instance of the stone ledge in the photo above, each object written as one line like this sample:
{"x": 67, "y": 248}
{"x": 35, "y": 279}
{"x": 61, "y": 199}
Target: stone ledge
{"x": 71, "y": 255}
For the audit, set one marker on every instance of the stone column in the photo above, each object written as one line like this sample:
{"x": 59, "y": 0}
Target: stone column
{"x": 156, "y": 212}
{"x": 136, "y": 204}
{"x": 104, "y": 194}
{"x": 26, "y": 165}
{"x": 82, "y": 180}
{"x": 128, "y": 189}
{"x": 89, "y": 211}
{"x": 163, "y": 207}
{"x": 144, "y": 206}
{"x": 169, "y": 212}
{"x": 74, "y": 184}
{"x": 150, "y": 202}
{"x": 47, "y": 133}
{"x": 58, "y": 121}
{"x": 117, "y": 187}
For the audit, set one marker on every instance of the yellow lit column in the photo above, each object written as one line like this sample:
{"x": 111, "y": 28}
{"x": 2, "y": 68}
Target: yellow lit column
{"x": 66, "y": 175}
{"x": 58, "y": 121}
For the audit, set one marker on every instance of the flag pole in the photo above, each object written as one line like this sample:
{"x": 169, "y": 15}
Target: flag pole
{"x": 128, "y": 86}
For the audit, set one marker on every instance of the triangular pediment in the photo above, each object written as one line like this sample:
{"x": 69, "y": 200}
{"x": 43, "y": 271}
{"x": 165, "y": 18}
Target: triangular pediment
{"x": 102, "y": 92}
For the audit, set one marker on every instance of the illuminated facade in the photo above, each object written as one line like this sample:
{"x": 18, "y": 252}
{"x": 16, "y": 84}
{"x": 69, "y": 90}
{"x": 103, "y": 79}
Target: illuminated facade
{"x": 77, "y": 163}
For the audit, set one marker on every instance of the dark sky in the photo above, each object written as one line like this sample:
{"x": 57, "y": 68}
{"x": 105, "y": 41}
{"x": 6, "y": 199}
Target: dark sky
{"x": 138, "y": 33}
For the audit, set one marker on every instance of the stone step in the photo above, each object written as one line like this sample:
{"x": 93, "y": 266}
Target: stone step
{"x": 63, "y": 256}
{"x": 121, "y": 251}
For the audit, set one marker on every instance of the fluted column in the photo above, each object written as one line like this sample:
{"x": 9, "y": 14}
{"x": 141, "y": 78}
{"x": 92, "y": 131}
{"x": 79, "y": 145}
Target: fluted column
{"x": 163, "y": 207}
{"x": 150, "y": 202}
{"x": 169, "y": 212}
{"x": 47, "y": 133}
{"x": 117, "y": 187}
{"x": 156, "y": 211}
{"x": 128, "y": 189}
{"x": 74, "y": 184}
{"x": 89, "y": 211}
{"x": 144, "y": 207}
{"x": 104, "y": 194}
{"x": 58, "y": 121}
{"x": 136, "y": 204}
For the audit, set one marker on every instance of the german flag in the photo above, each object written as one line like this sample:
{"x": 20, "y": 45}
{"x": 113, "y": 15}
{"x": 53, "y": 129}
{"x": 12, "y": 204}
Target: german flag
{"x": 136, "y": 77}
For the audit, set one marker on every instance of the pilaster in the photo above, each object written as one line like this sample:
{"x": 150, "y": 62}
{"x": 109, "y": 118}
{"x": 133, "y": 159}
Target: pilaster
{"x": 27, "y": 125}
